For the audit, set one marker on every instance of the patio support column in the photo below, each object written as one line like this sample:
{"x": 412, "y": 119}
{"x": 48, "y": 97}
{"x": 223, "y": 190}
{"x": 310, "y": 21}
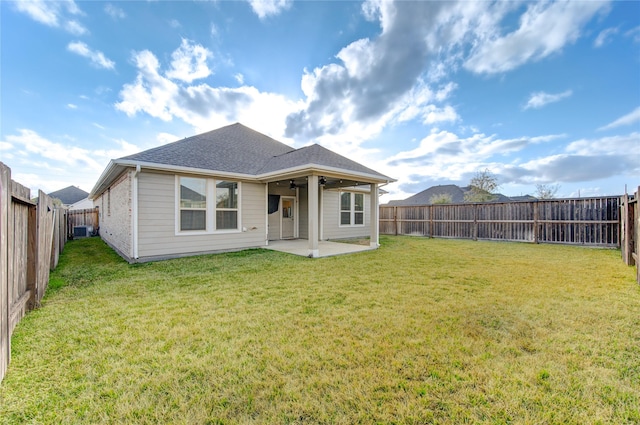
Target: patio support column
{"x": 313, "y": 216}
{"x": 375, "y": 229}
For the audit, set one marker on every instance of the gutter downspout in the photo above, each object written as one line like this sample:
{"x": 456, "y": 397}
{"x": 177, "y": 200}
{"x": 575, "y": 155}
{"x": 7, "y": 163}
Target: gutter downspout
{"x": 134, "y": 215}
{"x": 266, "y": 220}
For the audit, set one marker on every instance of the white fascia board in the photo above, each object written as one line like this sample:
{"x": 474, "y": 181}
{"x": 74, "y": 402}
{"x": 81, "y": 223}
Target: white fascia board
{"x": 115, "y": 167}
{"x": 111, "y": 168}
{"x": 187, "y": 170}
{"x": 323, "y": 169}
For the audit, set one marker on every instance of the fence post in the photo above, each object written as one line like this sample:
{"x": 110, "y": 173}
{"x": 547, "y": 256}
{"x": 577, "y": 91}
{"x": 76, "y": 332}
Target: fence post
{"x": 636, "y": 230}
{"x": 32, "y": 257}
{"x": 395, "y": 220}
{"x": 5, "y": 198}
{"x": 627, "y": 227}
{"x": 475, "y": 222}
{"x": 536, "y": 217}
{"x": 431, "y": 221}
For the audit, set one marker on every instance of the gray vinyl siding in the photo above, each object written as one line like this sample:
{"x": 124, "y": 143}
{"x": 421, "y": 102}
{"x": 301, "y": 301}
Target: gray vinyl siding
{"x": 157, "y": 220}
{"x": 331, "y": 221}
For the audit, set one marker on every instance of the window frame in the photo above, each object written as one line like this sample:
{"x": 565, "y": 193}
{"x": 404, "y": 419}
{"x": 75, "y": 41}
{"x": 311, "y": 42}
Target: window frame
{"x": 352, "y": 209}
{"x": 210, "y": 209}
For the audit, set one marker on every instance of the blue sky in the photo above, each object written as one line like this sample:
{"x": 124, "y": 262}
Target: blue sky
{"x": 425, "y": 92}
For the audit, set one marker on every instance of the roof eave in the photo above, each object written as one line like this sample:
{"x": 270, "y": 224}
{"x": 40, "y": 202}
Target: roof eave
{"x": 323, "y": 170}
{"x": 108, "y": 175}
{"x": 117, "y": 166}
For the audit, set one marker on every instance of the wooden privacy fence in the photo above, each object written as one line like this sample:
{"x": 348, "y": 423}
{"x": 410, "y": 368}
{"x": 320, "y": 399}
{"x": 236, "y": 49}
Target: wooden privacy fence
{"x": 80, "y": 219}
{"x": 584, "y": 221}
{"x": 32, "y": 234}
{"x": 630, "y": 231}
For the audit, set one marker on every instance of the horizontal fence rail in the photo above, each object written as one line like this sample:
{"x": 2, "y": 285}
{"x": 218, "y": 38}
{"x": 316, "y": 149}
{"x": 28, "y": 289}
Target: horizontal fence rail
{"x": 583, "y": 221}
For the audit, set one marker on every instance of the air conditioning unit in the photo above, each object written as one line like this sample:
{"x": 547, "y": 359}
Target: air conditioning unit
{"x": 81, "y": 231}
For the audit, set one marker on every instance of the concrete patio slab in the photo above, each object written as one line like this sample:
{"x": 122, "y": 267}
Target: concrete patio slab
{"x": 325, "y": 248}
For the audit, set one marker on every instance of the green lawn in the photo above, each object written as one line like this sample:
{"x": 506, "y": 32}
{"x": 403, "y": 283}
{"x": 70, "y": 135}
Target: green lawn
{"x": 419, "y": 331}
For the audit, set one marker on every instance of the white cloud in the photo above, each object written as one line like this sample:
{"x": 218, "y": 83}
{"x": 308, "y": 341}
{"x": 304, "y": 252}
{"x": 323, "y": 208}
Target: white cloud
{"x": 539, "y": 99}
{"x": 545, "y": 28}
{"x": 53, "y": 13}
{"x": 604, "y": 37}
{"x": 30, "y": 142}
{"x": 378, "y": 81}
{"x": 202, "y": 106}
{"x": 189, "y": 62}
{"x": 239, "y": 78}
{"x": 114, "y": 11}
{"x": 164, "y": 138}
{"x": 634, "y": 33}
{"x": 434, "y": 114}
{"x": 628, "y": 119}
{"x": 72, "y": 106}
{"x": 174, "y": 23}
{"x": 96, "y": 57}
{"x": 444, "y": 156}
{"x": 75, "y": 28}
{"x": 59, "y": 164}
{"x": 151, "y": 92}
{"x": 265, "y": 8}
{"x": 613, "y": 145}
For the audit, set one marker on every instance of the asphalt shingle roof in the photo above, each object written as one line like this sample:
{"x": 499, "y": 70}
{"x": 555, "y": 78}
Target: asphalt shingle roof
{"x": 239, "y": 149}
{"x": 456, "y": 193}
{"x": 69, "y": 195}
{"x": 234, "y": 148}
{"x": 314, "y": 154}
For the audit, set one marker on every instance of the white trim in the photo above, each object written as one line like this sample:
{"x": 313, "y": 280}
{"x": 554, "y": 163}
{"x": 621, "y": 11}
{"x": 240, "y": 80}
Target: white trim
{"x": 115, "y": 167}
{"x": 210, "y": 210}
{"x": 352, "y": 209}
{"x": 187, "y": 170}
{"x": 266, "y": 215}
{"x": 295, "y": 215}
{"x": 321, "y": 212}
{"x": 134, "y": 207}
{"x": 316, "y": 168}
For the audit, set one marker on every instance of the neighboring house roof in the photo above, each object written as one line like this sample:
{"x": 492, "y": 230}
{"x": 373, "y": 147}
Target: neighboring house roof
{"x": 456, "y": 193}
{"x": 69, "y": 195}
{"x": 236, "y": 150}
{"x": 523, "y": 198}
{"x": 83, "y": 204}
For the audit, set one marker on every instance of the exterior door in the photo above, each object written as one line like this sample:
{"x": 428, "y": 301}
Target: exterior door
{"x": 288, "y": 217}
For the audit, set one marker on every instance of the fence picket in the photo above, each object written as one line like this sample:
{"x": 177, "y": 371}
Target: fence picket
{"x": 26, "y": 241}
{"x": 583, "y": 221}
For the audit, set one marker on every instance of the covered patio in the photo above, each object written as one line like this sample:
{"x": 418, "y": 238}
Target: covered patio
{"x": 325, "y": 248}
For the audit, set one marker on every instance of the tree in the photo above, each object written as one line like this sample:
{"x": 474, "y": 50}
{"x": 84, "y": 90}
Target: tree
{"x": 482, "y": 187}
{"x": 546, "y": 191}
{"x": 441, "y": 198}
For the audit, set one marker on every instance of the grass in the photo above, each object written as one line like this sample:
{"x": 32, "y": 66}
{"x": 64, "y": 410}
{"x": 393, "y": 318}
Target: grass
{"x": 419, "y": 331}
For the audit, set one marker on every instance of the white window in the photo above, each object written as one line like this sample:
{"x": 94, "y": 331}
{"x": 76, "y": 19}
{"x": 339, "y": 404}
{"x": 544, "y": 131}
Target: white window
{"x": 193, "y": 204}
{"x": 207, "y": 205}
{"x": 351, "y": 209}
{"x": 226, "y": 205}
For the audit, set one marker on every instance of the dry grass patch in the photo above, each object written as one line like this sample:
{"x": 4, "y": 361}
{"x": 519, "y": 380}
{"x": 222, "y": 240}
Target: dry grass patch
{"x": 419, "y": 331}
